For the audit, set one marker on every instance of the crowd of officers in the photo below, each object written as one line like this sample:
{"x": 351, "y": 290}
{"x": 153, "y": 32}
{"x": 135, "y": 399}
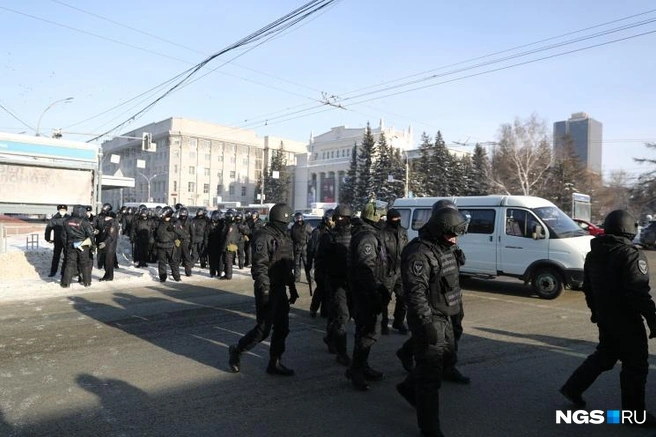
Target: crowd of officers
{"x": 358, "y": 264}
{"x": 166, "y": 235}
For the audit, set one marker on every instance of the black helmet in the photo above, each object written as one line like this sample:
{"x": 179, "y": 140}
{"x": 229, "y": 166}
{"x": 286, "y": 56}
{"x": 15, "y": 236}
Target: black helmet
{"x": 183, "y": 213}
{"x": 167, "y": 212}
{"x": 130, "y": 210}
{"x": 89, "y": 208}
{"x": 124, "y": 209}
{"x": 343, "y": 210}
{"x": 80, "y": 211}
{"x": 229, "y": 215}
{"x": 447, "y": 222}
{"x": 444, "y": 203}
{"x": 298, "y": 217}
{"x": 178, "y": 206}
{"x": 281, "y": 212}
{"x": 248, "y": 215}
{"x": 143, "y": 212}
{"x": 200, "y": 212}
{"x": 327, "y": 216}
{"x": 255, "y": 215}
{"x": 216, "y": 216}
{"x": 238, "y": 216}
{"x": 106, "y": 207}
{"x": 621, "y": 222}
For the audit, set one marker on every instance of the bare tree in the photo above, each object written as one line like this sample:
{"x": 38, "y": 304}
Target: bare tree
{"x": 522, "y": 158}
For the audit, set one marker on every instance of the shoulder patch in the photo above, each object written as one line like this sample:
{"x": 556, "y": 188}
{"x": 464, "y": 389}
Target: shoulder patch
{"x": 259, "y": 247}
{"x": 367, "y": 249}
{"x": 643, "y": 266}
{"x": 417, "y": 267}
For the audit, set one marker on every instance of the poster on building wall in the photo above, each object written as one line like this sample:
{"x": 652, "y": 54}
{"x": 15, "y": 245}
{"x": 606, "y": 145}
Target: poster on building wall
{"x": 311, "y": 195}
{"x": 328, "y": 190}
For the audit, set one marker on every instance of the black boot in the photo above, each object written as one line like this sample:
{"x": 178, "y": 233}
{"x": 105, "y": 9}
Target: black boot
{"x": 234, "y": 358}
{"x": 275, "y": 367}
{"x": 329, "y": 339}
{"x": 407, "y": 392}
{"x": 372, "y": 374}
{"x": 407, "y": 360}
{"x": 452, "y": 374}
{"x": 356, "y": 371}
{"x": 340, "y": 348}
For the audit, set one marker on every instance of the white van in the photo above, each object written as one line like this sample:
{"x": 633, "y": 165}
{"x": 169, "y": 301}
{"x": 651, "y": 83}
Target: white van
{"x": 520, "y": 236}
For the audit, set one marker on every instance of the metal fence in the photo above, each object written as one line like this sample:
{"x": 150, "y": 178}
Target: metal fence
{"x": 31, "y": 232}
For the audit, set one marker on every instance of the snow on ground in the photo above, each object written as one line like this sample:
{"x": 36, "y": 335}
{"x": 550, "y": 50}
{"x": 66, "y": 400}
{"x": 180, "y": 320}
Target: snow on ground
{"x": 24, "y": 271}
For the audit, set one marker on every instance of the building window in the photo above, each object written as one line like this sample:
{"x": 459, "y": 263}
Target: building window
{"x": 233, "y": 159}
{"x": 231, "y": 190}
{"x": 191, "y": 187}
{"x": 192, "y": 154}
{"x": 192, "y": 169}
{"x": 207, "y": 157}
{"x": 175, "y": 168}
{"x": 193, "y": 142}
{"x": 206, "y": 188}
{"x": 243, "y": 191}
{"x": 232, "y": 174}
{"x": 176, "y": 153}
{"x": 219, "y": 189}
{"x": 220, "y": 159}
{"x": 175, "y": 185}
{"x": 207, "y": 144}
{"x": 206, "y": 171}
{"x": 244, "y": 160}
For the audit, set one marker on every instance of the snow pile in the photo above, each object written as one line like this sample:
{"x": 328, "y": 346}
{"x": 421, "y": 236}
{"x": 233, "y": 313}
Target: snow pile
{"x": 24, "y": 270}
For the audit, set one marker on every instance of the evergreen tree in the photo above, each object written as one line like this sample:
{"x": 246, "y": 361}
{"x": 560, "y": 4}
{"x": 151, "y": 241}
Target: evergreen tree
{"x": 480, "y": 172}
{"x": 420, "y": 171}
{"x": 398, "y": 172}
{"x": 276, "y": 189}
{"x": 441, "y": 169}
{"x": 365, "y": 185}
{"x": 460, "y": 175}
{"x": 384, "y": 177}
{"x": 347, "y": 189}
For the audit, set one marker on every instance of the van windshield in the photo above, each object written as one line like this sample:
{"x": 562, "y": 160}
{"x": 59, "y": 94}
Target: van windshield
{"x": 560, "y": 224}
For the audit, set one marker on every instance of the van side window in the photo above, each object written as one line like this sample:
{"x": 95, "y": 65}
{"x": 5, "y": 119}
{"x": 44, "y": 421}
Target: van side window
{"x": 420, "y": 217}
{"x": 520, "y": 223}
{"x": 481, "y": 221}
{"x": 405, "y": 217}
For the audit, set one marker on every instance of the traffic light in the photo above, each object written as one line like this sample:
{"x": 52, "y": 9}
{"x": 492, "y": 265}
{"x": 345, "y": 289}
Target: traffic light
{"x": 146, "y": 140}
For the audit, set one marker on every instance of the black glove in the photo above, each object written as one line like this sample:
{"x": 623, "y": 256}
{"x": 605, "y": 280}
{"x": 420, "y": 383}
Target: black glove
{"x": 293, "y": 294}
{"x": 430, "y": 333}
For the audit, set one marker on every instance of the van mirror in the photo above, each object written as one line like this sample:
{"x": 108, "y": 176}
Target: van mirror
{"x": 538, "y": 232}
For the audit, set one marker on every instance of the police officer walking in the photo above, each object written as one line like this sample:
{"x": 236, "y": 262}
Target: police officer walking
{"x": 200, "y": 225}
{"x": 333, "y": 255}
{"x": 616, "y": 287}
{"x": 300, "y": 233}
{"x": 272, "y": 271}
{"x": 395, "y": 238}
{"x": 166, "y": 236}
{"x": 319, "y": 299}
{"x": 432, "y": 290}
{"x": 54, "y": 235}
{"x": 367, "y": 264}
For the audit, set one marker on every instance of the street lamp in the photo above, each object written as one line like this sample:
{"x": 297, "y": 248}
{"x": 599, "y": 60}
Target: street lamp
{"x": 149, "y": 179}
{"x": 38, "y": 124}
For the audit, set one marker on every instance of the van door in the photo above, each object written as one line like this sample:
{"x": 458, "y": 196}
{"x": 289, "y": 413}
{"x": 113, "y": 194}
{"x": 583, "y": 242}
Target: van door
{"x": 479, "y": 242}
{"x": 517, "y": 247}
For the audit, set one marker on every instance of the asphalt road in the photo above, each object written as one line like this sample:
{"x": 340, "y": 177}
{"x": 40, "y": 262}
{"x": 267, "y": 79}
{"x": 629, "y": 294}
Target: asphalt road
{"x": 153, "y": 362}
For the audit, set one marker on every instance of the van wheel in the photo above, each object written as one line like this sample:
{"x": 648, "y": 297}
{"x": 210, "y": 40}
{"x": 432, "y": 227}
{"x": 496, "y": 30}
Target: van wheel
{"x": 547, "y": 283}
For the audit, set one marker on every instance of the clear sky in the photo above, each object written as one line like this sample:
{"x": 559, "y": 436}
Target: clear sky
{"x": 104, "y": 54}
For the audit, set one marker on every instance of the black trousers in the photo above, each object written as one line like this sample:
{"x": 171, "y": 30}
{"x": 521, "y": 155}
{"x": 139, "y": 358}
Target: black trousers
{"x": 367, "y": 332}
{"x": 300, "y": 262}
{"x": 426, "y": 378}
{"x": 57, "y": 251}
{"x": 400, "y": 308}
{"x": 109, "y": 253}
{"x": 319, "y": 296}
{"x": 215, "y": 260}
{"x": 338, "y": 313}
{"x": 198, "y": 253}
{"x": 228, "y": 260}
{"x": 77, "y": 261}
{"x": 183, "y": 256}
{"x": 273, "y": 316}
{"x": 625, "y": 342}
{"x": 166, "y": 256}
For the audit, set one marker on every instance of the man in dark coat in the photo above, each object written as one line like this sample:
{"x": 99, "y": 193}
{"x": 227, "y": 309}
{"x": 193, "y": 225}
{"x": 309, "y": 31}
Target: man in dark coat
{"x": 272, "y": 272}
{"x": 54, "y": 235}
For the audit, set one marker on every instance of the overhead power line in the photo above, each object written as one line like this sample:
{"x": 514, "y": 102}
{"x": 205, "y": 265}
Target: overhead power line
{"x": 16, "y": 117}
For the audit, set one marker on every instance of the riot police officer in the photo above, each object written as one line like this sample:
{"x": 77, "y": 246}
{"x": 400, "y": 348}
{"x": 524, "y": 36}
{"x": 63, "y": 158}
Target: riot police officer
{"x": 333, "y": 256}
{"x": 108, "y": 240}
{"x": 199, "y": 233}
{"x": 616, "y": 287}
{"x": 183, "y": 250}
{"x": 395, "y": 238}
{"x": 367, "y": 262}
{"x": 430, "y": 274}
{"x": 229, "y": 243}
{"x": 272, "y": 271}
{"x": 214, "y": 244}
{"x": 166, "y": 236}
{"x": 142, "y": 236}
{"x": 300, "y": 233}
{"x": 319, "y": 297}
{"x": 77, "y": 236}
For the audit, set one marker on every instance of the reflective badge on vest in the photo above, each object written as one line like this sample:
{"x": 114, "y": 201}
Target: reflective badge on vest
{"x": 417, "y": 268}
{"x": 642, "y": 266}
